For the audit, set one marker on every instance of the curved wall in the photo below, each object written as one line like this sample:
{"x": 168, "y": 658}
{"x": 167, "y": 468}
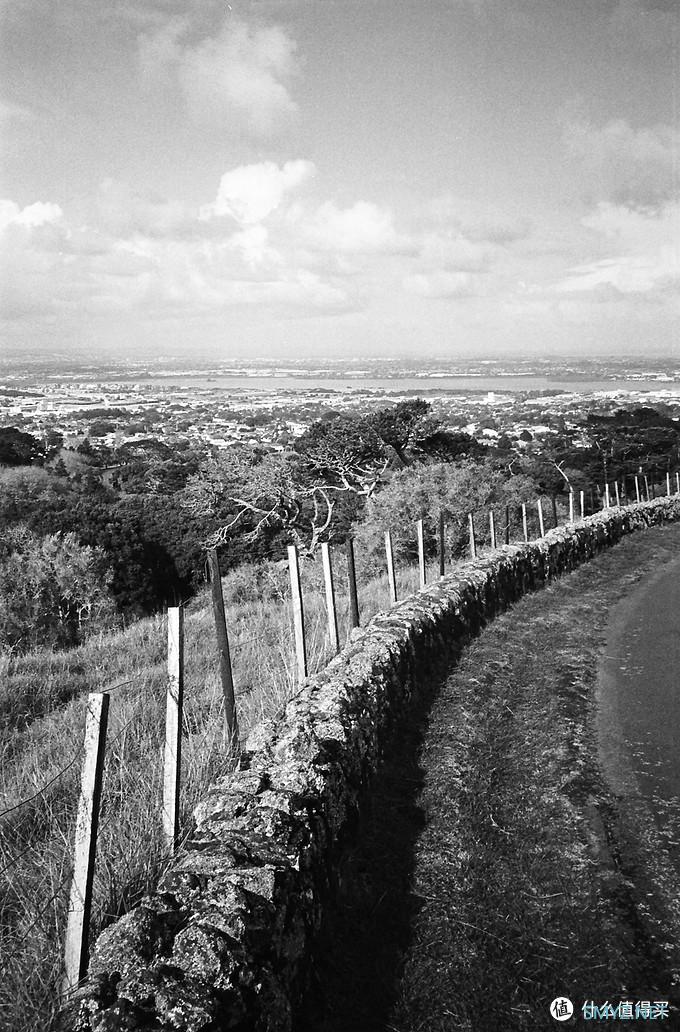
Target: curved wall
{"x": 225, "y": 940}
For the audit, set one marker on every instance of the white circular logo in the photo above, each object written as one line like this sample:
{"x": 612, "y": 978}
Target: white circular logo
{"x": 561, "y": 1008}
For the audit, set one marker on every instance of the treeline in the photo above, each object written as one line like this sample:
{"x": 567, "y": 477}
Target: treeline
{"x": 119, "y": 533}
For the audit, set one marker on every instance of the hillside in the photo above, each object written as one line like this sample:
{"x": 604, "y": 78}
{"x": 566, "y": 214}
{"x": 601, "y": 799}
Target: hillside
{"x": 42, "y": 709}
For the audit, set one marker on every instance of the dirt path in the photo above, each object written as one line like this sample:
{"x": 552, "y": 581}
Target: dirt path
{"x": 497, "y": 868}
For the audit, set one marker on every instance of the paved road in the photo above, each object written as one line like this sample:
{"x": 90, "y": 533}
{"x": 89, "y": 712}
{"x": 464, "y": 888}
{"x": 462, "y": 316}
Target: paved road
{"x": 639, "y": 701}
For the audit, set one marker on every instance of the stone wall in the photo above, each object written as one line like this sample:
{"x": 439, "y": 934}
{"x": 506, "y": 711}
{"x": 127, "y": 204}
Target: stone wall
{"x": 224, "y": 942}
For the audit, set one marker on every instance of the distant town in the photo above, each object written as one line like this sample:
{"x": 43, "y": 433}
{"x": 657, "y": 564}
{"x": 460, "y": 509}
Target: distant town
{"x": 268, "y": 406}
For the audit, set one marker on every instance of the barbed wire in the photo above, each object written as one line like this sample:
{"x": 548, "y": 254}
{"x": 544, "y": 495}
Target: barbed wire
{"x": 45, "y": 787}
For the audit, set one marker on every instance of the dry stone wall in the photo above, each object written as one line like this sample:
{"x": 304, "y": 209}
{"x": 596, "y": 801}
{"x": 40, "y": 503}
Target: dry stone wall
{"x": 224, "y": 942}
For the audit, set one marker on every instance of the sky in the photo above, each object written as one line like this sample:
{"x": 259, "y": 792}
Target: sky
{"x": 340, "y": 179}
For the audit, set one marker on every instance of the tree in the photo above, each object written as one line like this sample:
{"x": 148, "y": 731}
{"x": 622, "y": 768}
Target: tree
{"x": 422, "y": 492}
{"x": 18, "y": 448}
{"x": 52, "y": 590}
{"x": 253, "y": 493}
{"x": 344, "y": 454}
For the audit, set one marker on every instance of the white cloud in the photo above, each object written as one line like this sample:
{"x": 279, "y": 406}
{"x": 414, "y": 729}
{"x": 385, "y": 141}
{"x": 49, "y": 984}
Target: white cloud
{"x": 238, "y": 78}
{"x": 123, "y": 211}
{"x": 33, "y": 215}
{"x": 455, "y": 252}
{"x": 440, "y": 284}
{"x": 643, "y": 253}
{"x": 627, "y": 165}
{"x": 363, "y": 228}
{"x": 252, "y": 192}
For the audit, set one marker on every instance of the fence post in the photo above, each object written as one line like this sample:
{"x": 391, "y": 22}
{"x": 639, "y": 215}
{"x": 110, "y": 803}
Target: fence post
{"x": 226, "y": 675}
{"x": 442, "y": 556}
{"x": 677, "y": 483}
{"x": 471, "y": 529}
{"x": 298, "y": 612}
{"x": 492, "y": 528}
{"x": 637, "y": 488}
{"x": 174, "y": 700}
{"x": 507, "y": 524}
{"x": 571, "y": 506}
{"x": 554, "y": 511}
{"x": 421, "y": 554}
{"x": 525, "y": 523}
{"x": 352, "y": 584}
{"x": 618, "y": 494}
{"x": 646, "y": 479}
{"x": 85, "y": 845}
{"x": 541, "y": 524}
{"x": 668, "y": 484}
{"x": 582, "y": 503}
{"x": 390, "y": 566}
{"x": 330, "y": 596}
{"x": 607, "y": 500}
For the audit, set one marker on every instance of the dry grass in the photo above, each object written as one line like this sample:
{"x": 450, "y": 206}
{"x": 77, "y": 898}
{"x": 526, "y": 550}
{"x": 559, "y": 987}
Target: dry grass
{"x": 42, "y": 712}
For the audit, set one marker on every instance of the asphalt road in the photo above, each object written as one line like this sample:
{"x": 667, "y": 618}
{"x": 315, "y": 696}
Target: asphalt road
{"x": 639, "y": 701}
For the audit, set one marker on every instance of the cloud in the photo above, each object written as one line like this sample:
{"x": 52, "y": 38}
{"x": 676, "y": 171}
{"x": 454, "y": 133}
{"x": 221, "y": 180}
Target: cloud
{"x": 364, "y": 228}
{"x": 642, "y": 27}
{"x": 12, "y": 112}
{"x": 643, "y": 253}
{"x": 481, "y": 225}
{"x": 440, "y": 284}
{"x": 33, "y": 215}
{"x": 626, "y": 165}
{"x": 122, "y": 211}
{"x": 455, "y": 252}
{"x": 250, "y": 193}
{"x": 238, "y": 78}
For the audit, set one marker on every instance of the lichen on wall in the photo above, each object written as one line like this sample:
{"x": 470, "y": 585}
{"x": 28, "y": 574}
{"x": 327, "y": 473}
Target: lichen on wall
{"x": 224, "y": 941}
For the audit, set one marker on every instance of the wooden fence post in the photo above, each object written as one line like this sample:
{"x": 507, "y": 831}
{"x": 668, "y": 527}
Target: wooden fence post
{"x": 668, "y": 484}
{"x": 442, "y": 542}
{"x": 85, "y": 845}
{"x": 571, "y": 506}
{"x": 471, "y": 530}
{"x": 352, "y": 585}
{"x": 492, "y": 528}
{"x": 226, "y": 674}
{"x": 507, "y": 524}
{"x": 330, "y": 596}
{"x": 298, "y": 612}
{"x": 582, "y": 503}
{"x": 174, "y": 701}
{"x": 390, "y": 567}
{"x": 525, "y": 522}
{"x": 541, "y": 524}
{"x": 554, "y": 511}
{"x": 617, "y": 492}
{"x": 646, "y": 480}
{"x": 422, "y": 572}
{"x": 677, "y": 483}
{"x": 607, "y": 500}
{"x": 637, "y": 488}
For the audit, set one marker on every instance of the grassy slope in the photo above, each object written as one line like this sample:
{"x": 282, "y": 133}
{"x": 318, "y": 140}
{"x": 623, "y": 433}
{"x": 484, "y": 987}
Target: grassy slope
{"x": 42, "y": 712}
{"x": 496, "y": 869}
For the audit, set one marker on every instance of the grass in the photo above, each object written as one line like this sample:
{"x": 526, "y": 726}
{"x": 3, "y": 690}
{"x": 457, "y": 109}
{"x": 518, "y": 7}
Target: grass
{"x": 42, "y": 713}
{"x": 495, "y": 869}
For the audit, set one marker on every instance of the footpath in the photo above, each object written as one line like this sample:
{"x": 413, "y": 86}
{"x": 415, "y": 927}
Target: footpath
{"x": 504, "y": 863}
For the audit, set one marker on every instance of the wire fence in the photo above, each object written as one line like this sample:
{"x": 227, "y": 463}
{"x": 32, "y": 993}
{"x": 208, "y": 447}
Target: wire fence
{"x": 152, "y": 737}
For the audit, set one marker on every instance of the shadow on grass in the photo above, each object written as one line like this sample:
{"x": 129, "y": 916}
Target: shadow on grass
{"x": 358, "y": 960}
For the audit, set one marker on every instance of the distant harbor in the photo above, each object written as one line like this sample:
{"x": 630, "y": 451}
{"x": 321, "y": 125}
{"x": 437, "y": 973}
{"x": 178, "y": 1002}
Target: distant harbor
{"x": 413, "y": 384}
